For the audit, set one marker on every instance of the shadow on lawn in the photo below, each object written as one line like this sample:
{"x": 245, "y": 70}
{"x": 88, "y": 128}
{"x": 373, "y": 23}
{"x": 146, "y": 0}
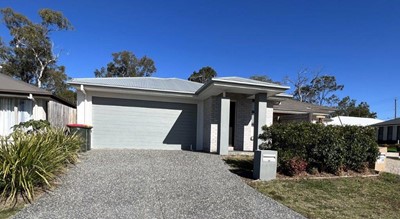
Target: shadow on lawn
{"x": 241, "y": 166}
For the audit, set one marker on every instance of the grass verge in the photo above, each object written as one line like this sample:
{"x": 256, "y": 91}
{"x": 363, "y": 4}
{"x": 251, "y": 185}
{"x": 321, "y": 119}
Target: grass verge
{"x": 356, "y": 197}
{"x": 7, "y": 211}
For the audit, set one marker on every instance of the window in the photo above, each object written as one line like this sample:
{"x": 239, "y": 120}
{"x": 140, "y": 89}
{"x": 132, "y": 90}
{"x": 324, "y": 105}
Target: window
{"x": 380, "y": 134}
{"x": 398, "y": 133}
{"x": 24, "y": 110}
{"x": 12, "y": 112}
{"x": 7, "y": 115}
{"x": 389, "y": 133}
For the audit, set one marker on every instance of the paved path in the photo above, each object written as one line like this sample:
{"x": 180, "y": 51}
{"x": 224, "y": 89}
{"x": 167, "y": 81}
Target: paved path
{"x": 153, "y": 184}
{"x": 392, "y": 166}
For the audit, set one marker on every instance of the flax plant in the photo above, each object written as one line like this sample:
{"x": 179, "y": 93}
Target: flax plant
{"x": 33, "y": 160}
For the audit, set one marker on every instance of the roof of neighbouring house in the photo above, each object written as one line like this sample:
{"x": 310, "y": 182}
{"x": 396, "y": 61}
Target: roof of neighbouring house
{"x": 290, "y": 105}
{"x": 145, "y": 83}
{"x": 350, "y": 120}
{"x": 11, "y": 85}
{"x": 388, "y": 122}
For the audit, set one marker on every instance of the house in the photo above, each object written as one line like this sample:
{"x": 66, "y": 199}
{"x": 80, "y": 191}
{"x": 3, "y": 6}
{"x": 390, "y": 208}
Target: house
{"x": 388, "y": 132}
{"x": 171, "y": 113}
{"x": 291, "y": 110}
{"x": 21, "y": 102}
{"x": 350, "y": 120}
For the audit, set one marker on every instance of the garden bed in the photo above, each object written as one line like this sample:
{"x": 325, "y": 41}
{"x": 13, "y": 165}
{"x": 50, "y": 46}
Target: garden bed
{"x": 355, "y": 195}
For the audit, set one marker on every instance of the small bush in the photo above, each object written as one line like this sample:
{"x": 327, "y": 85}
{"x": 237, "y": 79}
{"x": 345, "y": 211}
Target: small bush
{"x": 31, "y": 160}
{"x": 326, "y": 148}
{"x": 294, "y": 166}
{"x": 32, "y": 125}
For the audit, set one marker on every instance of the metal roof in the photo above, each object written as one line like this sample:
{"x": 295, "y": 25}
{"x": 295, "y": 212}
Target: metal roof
{"x": 389, "y": 122}
{"x": 248, "y": 81}
{"x": 350, "y": 120}
{"x": 295, "y": 105}
{"x": 144, "y": 83}
{"x": 11, "y": 85}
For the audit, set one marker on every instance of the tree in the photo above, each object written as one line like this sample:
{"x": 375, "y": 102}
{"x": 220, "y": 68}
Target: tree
{"x": 348, "y": 107}
{"x": 264, "y": 78}
{"x": 319, "y": 90}
{"x": 205, "y": 74}
{"x": 322, "y": 88}
{"x": 126, "y": 64}
{"x": 30, "y": 56}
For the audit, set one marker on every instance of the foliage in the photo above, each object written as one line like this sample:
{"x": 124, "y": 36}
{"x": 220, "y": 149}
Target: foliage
{"x": 320, "y": 89}
{"x": 31, "y": 160}
{"x": 327, "y": 148}
{"x": 32, "y": 125}
{"x": 30, "y": 55}
{"x": 294, "y": 166}
{"x": 126, "y": 64}
{"x": 203, "y": 75}
{"x": 348, "y": 107}
{"x": 359, "y": 151}
{"x": 264, "y": 78}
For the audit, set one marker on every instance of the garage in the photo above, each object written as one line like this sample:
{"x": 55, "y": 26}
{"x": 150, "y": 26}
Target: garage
{"x": 143, "y": 124}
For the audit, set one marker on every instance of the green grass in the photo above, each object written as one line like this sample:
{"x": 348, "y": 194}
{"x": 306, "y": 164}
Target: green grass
{"x": 6, "y": 212}
{"x": 369, "y": 197}
{"x": 392, "y": 149}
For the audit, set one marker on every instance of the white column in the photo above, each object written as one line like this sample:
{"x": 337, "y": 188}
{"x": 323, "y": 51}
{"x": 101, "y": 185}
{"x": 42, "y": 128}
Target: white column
{"x": 260, "y": 113}
{"x": 223, "y": 126}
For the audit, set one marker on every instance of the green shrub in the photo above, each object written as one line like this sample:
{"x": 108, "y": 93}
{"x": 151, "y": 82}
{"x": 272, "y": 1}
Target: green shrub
{"x": 32, "y": 125}
{"x": 31, "y": 160}
{"x": 326, "y": 148}
{"x": 360, "y": 147}
{"x": 328, "y": 153}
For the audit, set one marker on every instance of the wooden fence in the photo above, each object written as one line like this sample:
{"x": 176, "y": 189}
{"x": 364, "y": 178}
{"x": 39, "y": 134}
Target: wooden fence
{"x": 60, "y": 115}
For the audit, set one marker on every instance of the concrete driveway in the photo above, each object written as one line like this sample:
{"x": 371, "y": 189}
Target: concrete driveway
{"x": 153, "y": 184}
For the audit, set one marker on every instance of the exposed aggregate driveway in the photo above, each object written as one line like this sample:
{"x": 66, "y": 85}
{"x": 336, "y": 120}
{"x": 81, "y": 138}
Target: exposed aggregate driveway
{"x": 153, "y": 184}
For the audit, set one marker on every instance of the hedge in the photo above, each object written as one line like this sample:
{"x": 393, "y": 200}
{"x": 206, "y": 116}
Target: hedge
{"x": 317, "y": 147}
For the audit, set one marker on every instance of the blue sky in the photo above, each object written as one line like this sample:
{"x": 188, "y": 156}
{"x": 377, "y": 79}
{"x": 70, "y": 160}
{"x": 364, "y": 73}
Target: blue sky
{"x": 357, "y": 41}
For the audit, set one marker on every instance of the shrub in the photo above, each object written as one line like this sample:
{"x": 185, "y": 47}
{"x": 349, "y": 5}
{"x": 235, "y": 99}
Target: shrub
{"x": 360, "y": 146}
{"x": 326, "y": 148}
{"x": 31, "y": 160}
{"x": 32, "y": 125}
{"x": 294, "y": 166}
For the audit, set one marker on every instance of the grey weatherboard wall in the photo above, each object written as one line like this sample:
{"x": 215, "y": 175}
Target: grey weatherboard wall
{"x": 140, "y": 124}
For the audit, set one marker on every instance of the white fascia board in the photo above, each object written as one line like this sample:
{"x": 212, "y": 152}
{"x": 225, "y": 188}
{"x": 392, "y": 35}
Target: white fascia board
{"x": 125, "y": 90}
{"x": 253, "y": 84}
{"x": 92, "y": 85}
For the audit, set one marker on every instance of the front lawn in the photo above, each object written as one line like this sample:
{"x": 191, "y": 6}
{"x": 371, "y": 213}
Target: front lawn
{"x": 358, "y": 197}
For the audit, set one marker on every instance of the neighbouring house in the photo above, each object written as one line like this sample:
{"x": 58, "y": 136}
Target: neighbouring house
{"x": 291, "y": 110}
{"x": 388, "y": 132}
{"x": 171, "y": 113}
{"x": 350, "y": 120}
{"x": 21, "y": 102}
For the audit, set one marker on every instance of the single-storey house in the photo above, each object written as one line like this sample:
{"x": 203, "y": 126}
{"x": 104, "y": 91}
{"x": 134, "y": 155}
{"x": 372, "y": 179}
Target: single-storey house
{"x": 171, "y": 113}
{"x": 21, "y": 102}
{"x": 388, "y": 132}
{"x": 291, "y": 110}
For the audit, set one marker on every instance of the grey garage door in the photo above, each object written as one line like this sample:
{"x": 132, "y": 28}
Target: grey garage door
{"x": 139, "y": 124}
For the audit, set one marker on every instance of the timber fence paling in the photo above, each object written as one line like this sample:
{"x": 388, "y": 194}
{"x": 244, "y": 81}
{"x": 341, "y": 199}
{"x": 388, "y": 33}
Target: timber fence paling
{"x": 60, "y": 115}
